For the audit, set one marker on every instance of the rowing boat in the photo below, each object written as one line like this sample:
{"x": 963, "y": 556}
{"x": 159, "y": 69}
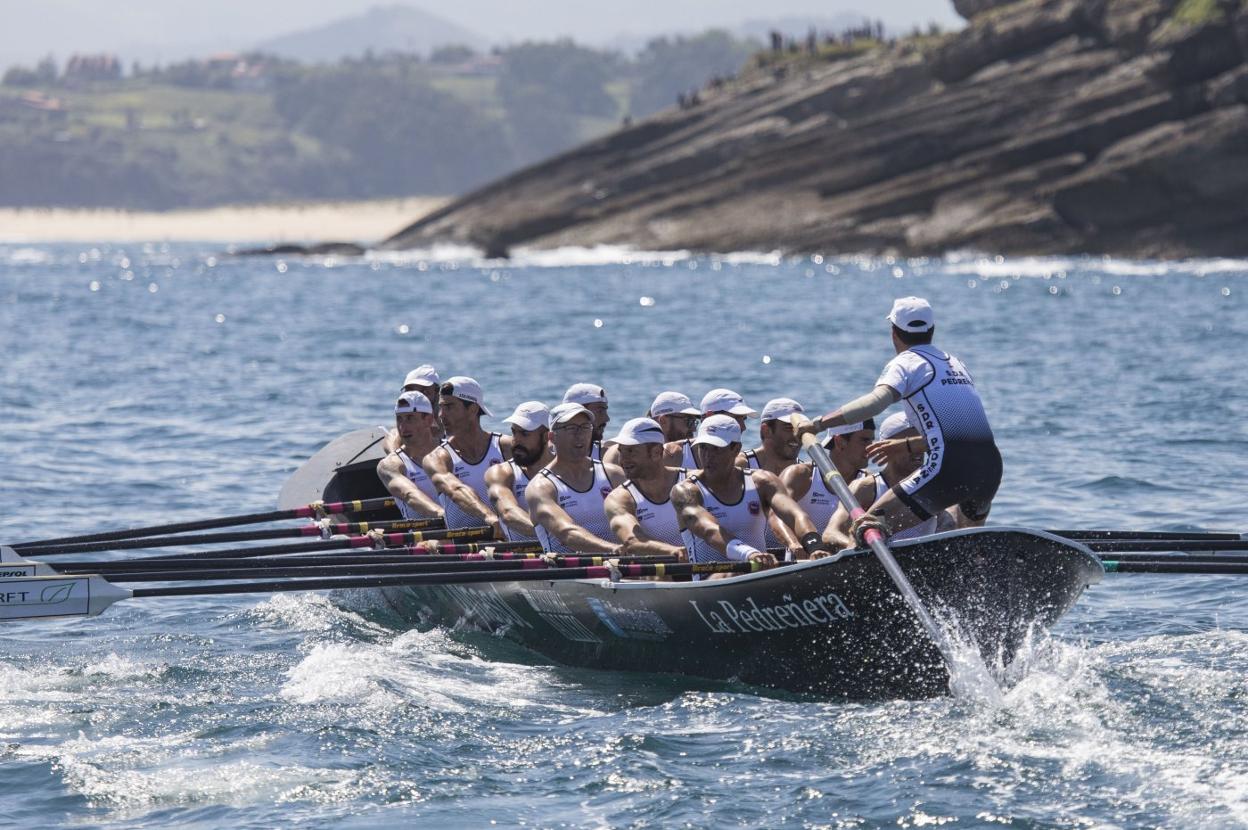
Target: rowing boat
{"x": 831, "y": 627}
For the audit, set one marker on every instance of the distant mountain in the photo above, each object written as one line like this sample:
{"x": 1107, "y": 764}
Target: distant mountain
{"x": 381, "y": 29}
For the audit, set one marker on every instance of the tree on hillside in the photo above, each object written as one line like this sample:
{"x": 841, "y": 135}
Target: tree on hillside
{"x": 573, "y": 74}
{"x": 669, "y": 67}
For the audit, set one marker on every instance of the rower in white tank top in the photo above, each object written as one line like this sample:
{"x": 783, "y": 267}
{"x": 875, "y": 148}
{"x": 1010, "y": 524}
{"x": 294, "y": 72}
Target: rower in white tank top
{"x": 686, "y": 455}
{"x": 924, "y": 528}
{"x": 742, "y": 520}
{"x": 417, "y": 475}
{"x": 657, "y": 519}
{"x": 819, "y": 502}
{"x": 584, "y": 507}
{"x": 474, "y": 476}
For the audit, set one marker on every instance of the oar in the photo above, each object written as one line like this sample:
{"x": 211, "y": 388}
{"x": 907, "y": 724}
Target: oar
{"x": 1085, "y": 535}
{"x": 1173, "y": 565}
{"x": 312, "y": 511}
{"x": 957, "y": 664}
{"x": 322, "y": 531}
{"x": 1129, "y": 556}
{"x": 88, "y": 595}
{"x": 1177, "y": 544}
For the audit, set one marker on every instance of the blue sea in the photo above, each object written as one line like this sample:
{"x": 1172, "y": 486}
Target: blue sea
{"x": 143, "y": 384}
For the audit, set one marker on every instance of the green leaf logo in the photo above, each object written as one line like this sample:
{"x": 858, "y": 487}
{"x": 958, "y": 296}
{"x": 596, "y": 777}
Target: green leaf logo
{"x": 56, "y": 593}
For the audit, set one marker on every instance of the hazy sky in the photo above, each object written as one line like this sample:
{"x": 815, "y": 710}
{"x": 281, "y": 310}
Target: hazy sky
{"x": 168, "y": 29}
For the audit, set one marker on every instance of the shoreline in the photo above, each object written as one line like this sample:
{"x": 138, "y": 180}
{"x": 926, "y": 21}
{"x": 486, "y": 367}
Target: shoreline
{"x": 340, "y": 221}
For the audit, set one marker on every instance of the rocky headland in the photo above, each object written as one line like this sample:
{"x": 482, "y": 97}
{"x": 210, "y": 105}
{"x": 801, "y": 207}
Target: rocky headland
{"x": 1044, "y": 126}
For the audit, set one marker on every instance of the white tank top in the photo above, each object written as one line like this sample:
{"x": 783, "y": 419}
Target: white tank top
{"x": 686, "y": 459}
{"x": 751, "y": 460}
{"x": 416, "y": 474}
{"x": 657, "y": 518}
{"x": 820, "y": 503}
{"x": 742, "y": 520}
{"x": 474, "y": 476}
{"x": 520, "y": 480}
{"x": 584, "y": 507}
{"x": 924, "y": 528}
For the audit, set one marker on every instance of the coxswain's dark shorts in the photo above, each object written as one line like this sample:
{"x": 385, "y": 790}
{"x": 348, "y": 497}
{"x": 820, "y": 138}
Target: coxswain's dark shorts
{"x": 967, "y": 474}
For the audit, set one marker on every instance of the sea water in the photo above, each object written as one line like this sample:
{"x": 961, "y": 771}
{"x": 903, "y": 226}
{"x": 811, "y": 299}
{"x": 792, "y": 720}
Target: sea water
{"x": 150, "y": 383}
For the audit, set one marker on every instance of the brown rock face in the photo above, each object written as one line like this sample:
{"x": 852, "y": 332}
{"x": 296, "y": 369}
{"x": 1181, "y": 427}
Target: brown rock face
{"x": 1045, "y": 126}
{"x": 970, "y": 8}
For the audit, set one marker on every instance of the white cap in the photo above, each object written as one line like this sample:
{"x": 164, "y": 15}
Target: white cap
{"x": 566, "y": 412}
{"x": 895, "y": 424}
{"x": 718, "y": 431}
{"x": 584, "y": 393}
{"x": 725, "y": 400}
{"x": 912, "y": 314}
{"x": 413, "y": 402}
{"x": 846, "y": 429}
{"x": 779, "y": 409}
{"x": 673, "y": 403}
{"x": 639, "y": 431}
{"x": 466, "y": 389}
{"x": 424, "y": 375}
{"x": 530, "y": 415}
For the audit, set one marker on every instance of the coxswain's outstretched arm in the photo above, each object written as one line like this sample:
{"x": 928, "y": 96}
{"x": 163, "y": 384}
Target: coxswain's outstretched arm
{"x": 544, "y": 510}
{"x": 777, "y": 501}
{"x": 439, "y": 468}
{"x": 859, "y": 409}
{"x": 621, "y": 510}
{"x": 393, "y": 476}
{"x": 500, "y": 479}
{"x": 696, "y": 519}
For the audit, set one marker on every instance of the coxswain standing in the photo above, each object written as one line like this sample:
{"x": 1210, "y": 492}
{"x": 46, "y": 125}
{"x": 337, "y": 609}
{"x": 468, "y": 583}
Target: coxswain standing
{"x": 530, "y": 452}
{"x": 457, "y": 466}
{"x": 593, "y": 398}
{"x": 400, "y": 471}
{"x": 722, "y": 509}
{"x": 962, "y": 466}
{"x": 640, "y": 511}
{"x": 566, "y": 497}
{"x": 847, "y": 447}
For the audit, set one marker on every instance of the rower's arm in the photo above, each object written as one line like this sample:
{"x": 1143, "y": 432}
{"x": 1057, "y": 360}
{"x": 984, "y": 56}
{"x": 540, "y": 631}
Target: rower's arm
{"x": 796, "y": 480}
{"x": 742, "y": 463}
{"x": 393, "y": 476}
{"x": 544, "y": 510}
{"x": 859, "y": 409}
{"x": 611, "y": 455}
{"x": 837, "y": 532}
{"x": 621, "y": 510}
{"x": 794, "y": 523}
{"x": 695, "y": 518}
{"x": 499, "y": 479}
{"x": 438, "y": 467}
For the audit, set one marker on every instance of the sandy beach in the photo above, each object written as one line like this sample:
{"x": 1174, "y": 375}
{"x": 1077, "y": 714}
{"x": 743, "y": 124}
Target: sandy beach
{"x": 291, "y": 222}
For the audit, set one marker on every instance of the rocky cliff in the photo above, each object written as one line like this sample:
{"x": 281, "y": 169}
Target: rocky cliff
{"x": 1044, "y": 126}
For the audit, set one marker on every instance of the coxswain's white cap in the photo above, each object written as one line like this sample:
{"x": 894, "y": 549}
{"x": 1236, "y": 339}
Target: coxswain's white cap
{"x": 895, "y": 424}
{"x": 912, "y": 314}
{"x": 585, "y": 393}
{"x": 566, "y": 412}
{"x": 639, "y": 431}
{"x": 779, "y": 409}
{"x": 718, "y": 431}
{"x": 530, "y": 415}
{"x": 412, "y": 402}
{"x": 725, "y": 400}
{"x": 424, "y": 375}
{"x": 673, "y": 403}
{"x": 466, "y": 389}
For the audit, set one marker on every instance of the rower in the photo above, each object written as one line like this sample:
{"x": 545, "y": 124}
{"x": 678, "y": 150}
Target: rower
{"x": 422, "y": 379}
{"x": 530, "y": 452}
{"x": 715, "y": 402}
{"x": 780, "y": 444}
{"x": 593, "y": 398}
{"x": 722, "y": 508}
{"x": 566, "y": 497}
{"x": 868, "y": 488}
{"x": 457, "y": 466}
{"x": 640, "y": 511}
{"x": 963, "y": 465}
{"x": 847, "y": 446}
{"x": 400, "y": 471}
{"x": 678, "y": 417}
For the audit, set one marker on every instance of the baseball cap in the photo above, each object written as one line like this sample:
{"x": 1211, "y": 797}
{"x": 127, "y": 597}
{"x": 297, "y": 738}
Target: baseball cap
{"x": 725, "y": 400}
{"x": 466, "y": 389}
{"x": 412, "y": 402}
{"x": 639, "y": 431}
{"x": 846, "y": 429}
{"x": 566, "y": 412}
{"x": 894, "y": 424}
{"x": 718, "y": 431}
{"x": 673, "y": 403}
{"x": 530, "y": 415}
{"x": 584, "y": 393}
{"x": 779, "y": 409}
{"x": 912, "y": 314}
{"x": 423, "y": 375}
